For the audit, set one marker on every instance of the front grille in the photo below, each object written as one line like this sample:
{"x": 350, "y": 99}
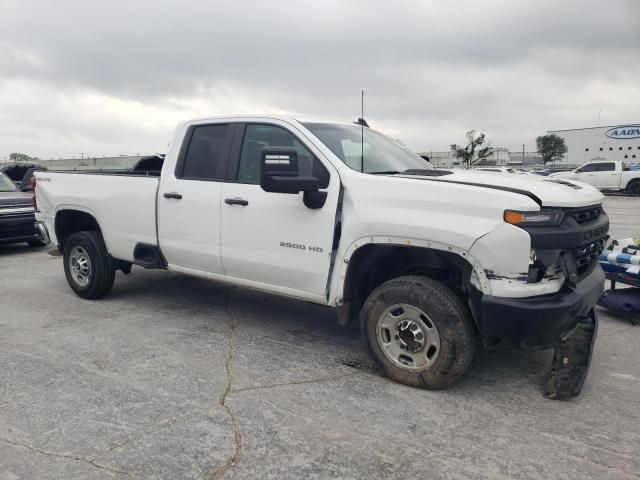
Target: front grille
{"x": 588, "y": 214}
{"x": 586, "y": 257}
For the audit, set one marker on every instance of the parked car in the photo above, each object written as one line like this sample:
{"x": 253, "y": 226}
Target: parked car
{"x": 26, "y": 183}
{"x": 605, "y": 176}
{"x": 426, "y": 259}
{"x": 151, "y": 165}
{"x": 512, "y": 170}
{"x": 541, "y": 171}
{"x": 17, "y": 218}
{"x": 16, "y": 170}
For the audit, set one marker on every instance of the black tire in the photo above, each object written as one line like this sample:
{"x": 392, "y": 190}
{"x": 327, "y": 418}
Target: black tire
{"x": 634, "y": 188}
{"x": 36, "y": 243}
{"x": 102, "y": 274}
{"x": 443, "y": 309}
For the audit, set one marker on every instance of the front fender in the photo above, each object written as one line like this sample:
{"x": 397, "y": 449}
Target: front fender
{"x": 339, "y": 273}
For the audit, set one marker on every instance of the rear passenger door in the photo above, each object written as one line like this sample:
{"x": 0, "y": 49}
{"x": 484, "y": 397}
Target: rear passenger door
{"x": 273, "y": 238}
{"x": 607, "y": 176}
{"x": 189, "y": 199}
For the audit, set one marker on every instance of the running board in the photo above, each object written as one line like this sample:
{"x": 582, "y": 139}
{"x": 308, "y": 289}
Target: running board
{"x": 571, "y": 360}
{"x": 148, "y": 256}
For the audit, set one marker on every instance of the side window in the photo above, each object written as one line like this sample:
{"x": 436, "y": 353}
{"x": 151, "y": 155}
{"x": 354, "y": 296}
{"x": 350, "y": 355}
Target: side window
{"x": 587, "y": 168}
{"x": 204, "y": 155}
{"x": 257, "y": 136}
{"x": 606, "y": 167}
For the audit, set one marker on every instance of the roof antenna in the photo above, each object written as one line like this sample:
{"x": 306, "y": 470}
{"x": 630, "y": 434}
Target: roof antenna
{"x": 363, "y": 123}
{"x": 362, "y": 133}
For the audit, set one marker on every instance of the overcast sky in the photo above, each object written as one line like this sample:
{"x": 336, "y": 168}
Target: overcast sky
{"x": 114, "y": 77}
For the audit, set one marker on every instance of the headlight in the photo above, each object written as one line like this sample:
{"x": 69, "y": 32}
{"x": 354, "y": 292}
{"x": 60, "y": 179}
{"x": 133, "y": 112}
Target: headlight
{"x": 532, "y": 219}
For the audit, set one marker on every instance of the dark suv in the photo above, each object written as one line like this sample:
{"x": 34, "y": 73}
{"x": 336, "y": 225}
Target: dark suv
{"x": 17, "y": 217}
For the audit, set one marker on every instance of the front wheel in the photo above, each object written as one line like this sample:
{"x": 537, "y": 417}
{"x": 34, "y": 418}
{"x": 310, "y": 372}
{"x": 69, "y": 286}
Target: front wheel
{"x": 419, "y": 332}
{"x": 87, "y": 265}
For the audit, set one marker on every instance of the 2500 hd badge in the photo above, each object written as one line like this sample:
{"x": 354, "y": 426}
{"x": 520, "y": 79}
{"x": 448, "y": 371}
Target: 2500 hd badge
{"x": 299, "y": 246}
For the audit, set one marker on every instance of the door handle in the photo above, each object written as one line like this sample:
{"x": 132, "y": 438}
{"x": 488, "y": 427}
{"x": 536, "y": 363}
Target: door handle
{"x": 175, "y": 195}
{"x": 236, "y": 201}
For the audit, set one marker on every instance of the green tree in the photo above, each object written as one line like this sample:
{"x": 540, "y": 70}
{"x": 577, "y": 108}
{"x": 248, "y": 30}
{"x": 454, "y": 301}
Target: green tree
{"x": 550, "y": 147}
{"x": 474, "y": 152}
{"x": 19, "y": 157}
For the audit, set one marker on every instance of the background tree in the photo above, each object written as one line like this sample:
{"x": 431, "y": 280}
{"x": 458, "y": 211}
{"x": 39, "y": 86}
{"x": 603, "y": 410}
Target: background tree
{"x": 550, "y": 147}
{"x": 474, "y": 152}
{"x": 19, "y": 157}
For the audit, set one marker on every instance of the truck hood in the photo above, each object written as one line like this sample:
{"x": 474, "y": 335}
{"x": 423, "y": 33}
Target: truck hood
{"x": 548, "y": 192}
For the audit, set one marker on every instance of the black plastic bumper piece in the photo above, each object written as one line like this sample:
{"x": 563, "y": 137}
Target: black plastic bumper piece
{"x": 17, "y": 228}
{"x": 538, "y": 322}
{"x": 571, "y": 360}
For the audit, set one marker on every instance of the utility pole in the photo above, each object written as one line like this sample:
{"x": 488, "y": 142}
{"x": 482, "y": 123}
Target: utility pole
{"x": 523, "y": 154}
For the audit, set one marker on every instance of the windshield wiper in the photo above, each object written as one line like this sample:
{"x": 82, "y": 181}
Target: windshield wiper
{"x": 384, "y": 172}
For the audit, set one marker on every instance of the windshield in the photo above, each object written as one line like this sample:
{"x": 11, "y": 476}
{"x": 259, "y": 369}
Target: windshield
{"x": 6, "y": 185}
{"x": 381, "y": 153}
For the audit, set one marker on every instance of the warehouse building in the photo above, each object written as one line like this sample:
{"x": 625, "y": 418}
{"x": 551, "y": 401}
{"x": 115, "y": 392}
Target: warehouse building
{"x": 501, "y": 157}
{"x": 613, "y": 142}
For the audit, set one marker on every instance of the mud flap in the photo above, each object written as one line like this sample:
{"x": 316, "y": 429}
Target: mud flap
{"x": 571, "y": 360}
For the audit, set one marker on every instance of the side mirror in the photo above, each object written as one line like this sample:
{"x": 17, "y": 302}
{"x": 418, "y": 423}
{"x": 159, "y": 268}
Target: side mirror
{"x": 279, "y": 173}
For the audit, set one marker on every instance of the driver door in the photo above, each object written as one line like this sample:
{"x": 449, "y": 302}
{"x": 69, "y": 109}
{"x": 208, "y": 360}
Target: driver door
{"x": 273, "y": 238}
{"x": 587, "y": 174}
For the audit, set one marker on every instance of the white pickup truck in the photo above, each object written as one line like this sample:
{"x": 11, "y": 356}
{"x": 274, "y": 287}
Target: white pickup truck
{"x": 605, "y": 176}
{"x": 428, "y": 260}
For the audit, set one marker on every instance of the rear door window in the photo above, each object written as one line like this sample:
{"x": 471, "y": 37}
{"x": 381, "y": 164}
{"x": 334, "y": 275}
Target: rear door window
{"x": 606, "y": 167}
{"x": 206, "y": 154}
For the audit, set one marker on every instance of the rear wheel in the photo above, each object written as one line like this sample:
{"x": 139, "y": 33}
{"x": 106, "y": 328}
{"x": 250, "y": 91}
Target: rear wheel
{"x": 420, "y": 333}
{"x": 634, "y": 188}
{"x": 87, "y": 265}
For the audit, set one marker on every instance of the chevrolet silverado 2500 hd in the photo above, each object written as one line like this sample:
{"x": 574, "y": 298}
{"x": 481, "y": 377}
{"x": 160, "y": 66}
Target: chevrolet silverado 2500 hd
{"x": 340, "y": 215}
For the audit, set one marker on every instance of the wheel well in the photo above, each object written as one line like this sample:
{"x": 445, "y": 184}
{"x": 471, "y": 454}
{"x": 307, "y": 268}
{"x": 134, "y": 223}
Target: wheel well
{"x": 633, "y": 181}
{"x": 372, "y": 265}
{"x": 69, "y": 222}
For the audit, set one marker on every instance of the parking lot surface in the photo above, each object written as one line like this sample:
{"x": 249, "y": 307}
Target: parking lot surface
{"x": 174, "y": 377}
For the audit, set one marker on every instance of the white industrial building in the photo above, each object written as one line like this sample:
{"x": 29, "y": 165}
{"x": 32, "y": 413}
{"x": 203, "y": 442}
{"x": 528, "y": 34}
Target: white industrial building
{"x": 500, "y": 156}
{"x": 613, "y": 142}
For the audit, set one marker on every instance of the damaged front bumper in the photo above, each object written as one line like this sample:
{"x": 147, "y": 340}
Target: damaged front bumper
{"x": 564, "y": 321}
{"x": 537, "y": 322}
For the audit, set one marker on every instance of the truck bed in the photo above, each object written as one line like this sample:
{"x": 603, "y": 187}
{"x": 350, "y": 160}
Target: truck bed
{"x": 125, "y": 203}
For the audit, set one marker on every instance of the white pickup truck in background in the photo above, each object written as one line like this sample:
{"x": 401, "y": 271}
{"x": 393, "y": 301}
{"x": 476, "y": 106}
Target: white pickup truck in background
{"x": 340, "y": 215}
{"x": 605, "y": 176}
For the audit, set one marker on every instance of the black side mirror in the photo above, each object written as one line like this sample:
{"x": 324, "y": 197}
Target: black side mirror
{"x": 279, "y": 173}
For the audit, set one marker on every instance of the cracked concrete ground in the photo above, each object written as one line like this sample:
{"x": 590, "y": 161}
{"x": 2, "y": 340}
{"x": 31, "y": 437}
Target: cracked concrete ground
{"x": 173, "y": 377}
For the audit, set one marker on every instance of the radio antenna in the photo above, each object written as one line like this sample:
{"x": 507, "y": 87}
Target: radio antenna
{"x": 362, "y": 133}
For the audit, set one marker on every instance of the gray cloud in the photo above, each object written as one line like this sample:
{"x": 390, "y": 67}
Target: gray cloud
{"x": 113, "y": 77}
